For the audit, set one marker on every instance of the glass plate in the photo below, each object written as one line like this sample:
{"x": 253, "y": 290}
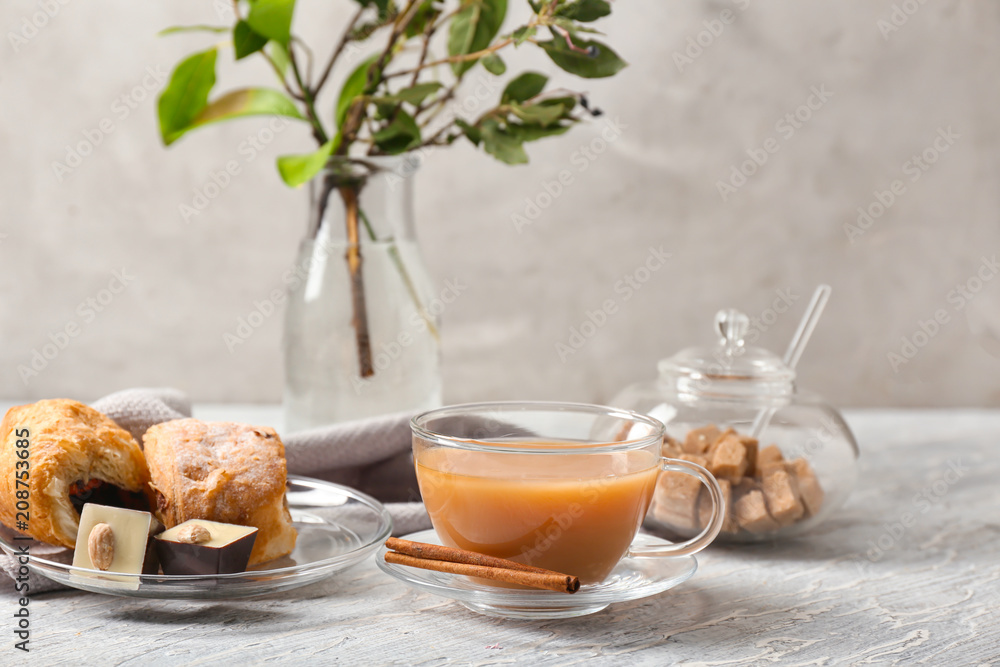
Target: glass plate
{"x": 633, "y": 578}
{"x": 338, "y": 527}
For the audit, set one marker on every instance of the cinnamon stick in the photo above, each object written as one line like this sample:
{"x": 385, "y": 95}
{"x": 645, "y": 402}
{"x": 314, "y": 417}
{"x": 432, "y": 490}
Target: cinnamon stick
{"x": 440, "y": 552}
{"x": 553, "y": 581}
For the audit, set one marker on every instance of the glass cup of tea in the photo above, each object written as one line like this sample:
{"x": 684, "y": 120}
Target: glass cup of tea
{"x": 562, "y": 486}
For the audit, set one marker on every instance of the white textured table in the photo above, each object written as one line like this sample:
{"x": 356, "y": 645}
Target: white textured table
{"x": 863, "y": 592}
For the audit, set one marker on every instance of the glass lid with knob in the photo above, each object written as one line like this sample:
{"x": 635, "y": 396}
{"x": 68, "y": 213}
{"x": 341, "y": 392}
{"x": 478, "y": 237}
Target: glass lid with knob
{"x": 730, "y": 368}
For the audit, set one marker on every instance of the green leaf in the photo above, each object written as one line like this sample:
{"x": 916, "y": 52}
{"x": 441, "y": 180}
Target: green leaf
{"x": 600, "y": 62}
{"x": 574, "y": 28}
{"x": 173, "y": 30}
{"x": 400, "y": 135}
{"x": 524, "y": 33}
{"x": 297, "y": 170}
{"x": 418, "y": 93}
{"x": 384, "y": 109}
{"x": 272, "y": 19}
{"x": 585, "y": 10}
{"x": 248, "y": 102}
{"x": 353, "y": 86}
{"x": 535, "y": 132}
{"x": 494, "y": 64}
{"x": 537, "y": 113}
{"x": 279, "y": 54}
{"x": 186, "y": 95}
{"x": 567, "y": 101}
{"x": 524, "y": 87}
{"x": 502, "y": 145}
{"x": 565, "y": 106}
{"x": 471, "y": 132}
{"x": 425, "y": 15}
{"x": 473, "y": 28}
{"x": 246, "y": 41}
{"x": 242, "y": 103}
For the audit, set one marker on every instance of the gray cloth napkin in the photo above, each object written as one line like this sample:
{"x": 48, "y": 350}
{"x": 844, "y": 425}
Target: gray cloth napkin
{"x": 371, "y": 455}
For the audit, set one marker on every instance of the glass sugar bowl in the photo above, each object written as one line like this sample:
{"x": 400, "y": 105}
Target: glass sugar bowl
{"x": 784, "y": 458}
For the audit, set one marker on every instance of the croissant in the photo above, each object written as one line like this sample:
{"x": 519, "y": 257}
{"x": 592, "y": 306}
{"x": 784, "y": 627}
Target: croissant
{"x": 75, "y": 455}
{"x": 225, "y": 472}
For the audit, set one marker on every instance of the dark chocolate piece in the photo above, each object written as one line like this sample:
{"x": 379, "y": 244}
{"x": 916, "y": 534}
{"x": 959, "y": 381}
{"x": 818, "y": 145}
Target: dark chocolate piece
{"x": 227, "y": 552}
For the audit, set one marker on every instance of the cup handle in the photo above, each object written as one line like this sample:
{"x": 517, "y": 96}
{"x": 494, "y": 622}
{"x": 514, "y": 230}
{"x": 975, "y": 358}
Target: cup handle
{"x": 705, "y": 537}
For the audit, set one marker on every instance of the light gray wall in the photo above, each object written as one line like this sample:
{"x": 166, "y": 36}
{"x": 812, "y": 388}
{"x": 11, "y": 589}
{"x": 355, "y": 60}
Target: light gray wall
{"x": 683, "y": 126}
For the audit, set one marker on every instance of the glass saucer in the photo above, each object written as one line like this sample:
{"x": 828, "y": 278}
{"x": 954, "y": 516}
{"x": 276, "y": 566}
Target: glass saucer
{"x": 338, "y": 527}
{"x": 633, "y": 578}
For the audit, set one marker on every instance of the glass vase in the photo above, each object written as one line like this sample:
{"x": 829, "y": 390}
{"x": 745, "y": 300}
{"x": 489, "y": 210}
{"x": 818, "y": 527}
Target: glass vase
{"x": 360, "y": 336}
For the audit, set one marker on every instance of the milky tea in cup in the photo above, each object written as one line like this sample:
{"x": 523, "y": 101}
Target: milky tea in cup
{"x": 562, "y": 486}
{"x": 572, "y": 513}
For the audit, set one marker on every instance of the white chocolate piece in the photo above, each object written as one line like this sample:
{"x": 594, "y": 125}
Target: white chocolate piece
{"x": 130, "y": 529}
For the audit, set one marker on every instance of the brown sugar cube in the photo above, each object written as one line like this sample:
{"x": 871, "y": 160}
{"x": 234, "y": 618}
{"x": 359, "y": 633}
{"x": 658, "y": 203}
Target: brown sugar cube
{"x": 739, "y": 489}
{"x": 751, "y": 513}
{"x": 810, "y": 492}
{"x": 764, "y": 471}
{"x": 700, "y": 439}
{"x": 675, "y": 500}
{"x": 729, "y": 458}
{"x": 718, "y": 441}
{"x": 705, "y": 507}
{"x": 794, "y": 483}
{"x": 769, "y": 456}
{"x": 781, "y": 496}
{"x": 671, "y": 448}
{"x": 750, "y": 445}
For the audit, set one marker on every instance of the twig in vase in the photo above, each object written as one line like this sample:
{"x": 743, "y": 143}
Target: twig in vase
{"x": 360, "y": 321}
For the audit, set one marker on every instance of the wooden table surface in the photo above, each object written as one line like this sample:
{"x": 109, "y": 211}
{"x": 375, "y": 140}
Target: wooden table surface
{"x": 930, "y": 598}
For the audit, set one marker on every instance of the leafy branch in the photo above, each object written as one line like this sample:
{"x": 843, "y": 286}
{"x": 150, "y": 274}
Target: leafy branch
{"x": 392, "y": 102}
